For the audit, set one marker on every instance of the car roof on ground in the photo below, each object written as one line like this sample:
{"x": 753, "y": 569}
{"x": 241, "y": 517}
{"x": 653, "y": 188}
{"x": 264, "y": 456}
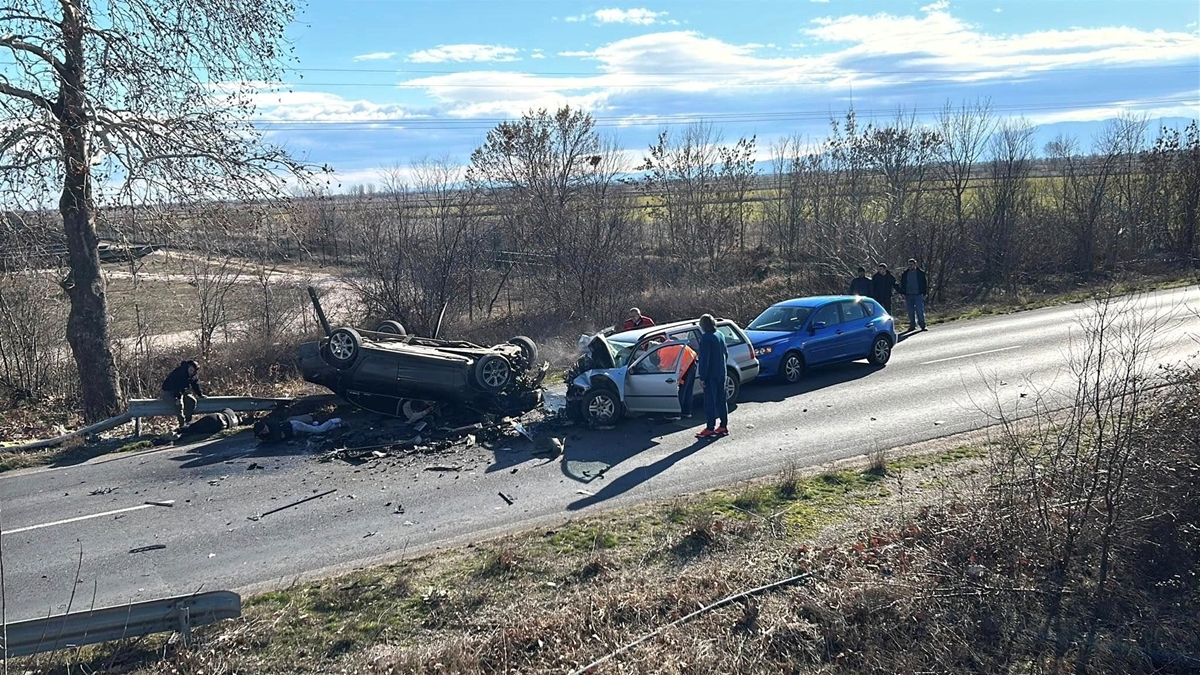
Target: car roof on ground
{"x": 815, "y": 300}
{"x": 639, "y": 333}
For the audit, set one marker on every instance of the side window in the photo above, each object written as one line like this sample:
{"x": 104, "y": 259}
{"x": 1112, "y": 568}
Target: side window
{"x": 868, "y": 307}
{"x": 828, "y": 314}
{"x": 732, "y": 339}
{"x": 660, "y": 361}
{"x": 853, "y": 311}
{"x": 692, "y": 337}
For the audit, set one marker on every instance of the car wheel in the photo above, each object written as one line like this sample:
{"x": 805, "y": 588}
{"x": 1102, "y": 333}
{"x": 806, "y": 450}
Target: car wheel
{"x": 733, "y": 387}
{"x": 391, "y": 328}
{"x": 792, "y": 367}
{"x": 343, "y": 347}
{"x": 529, "y": 349}
{"x": 601, "y": 407}
{"x": 881, "y": 351}
{"x": 493, "y": 373}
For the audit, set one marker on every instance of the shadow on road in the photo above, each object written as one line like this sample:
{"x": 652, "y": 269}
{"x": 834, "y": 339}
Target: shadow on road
{"x": 766, "y": 391}
{"x": 632, "y": 479}
{"x": 241, "y": 444}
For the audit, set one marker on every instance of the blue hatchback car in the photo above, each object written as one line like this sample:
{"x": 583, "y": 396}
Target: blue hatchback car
{"x": 800, "y": 333}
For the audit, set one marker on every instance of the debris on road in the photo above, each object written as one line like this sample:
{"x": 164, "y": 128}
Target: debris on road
{"x": 293, "y": 504}
{"x": 439, "y": 467}
{"x": 253, "y": 466}
{"x": 151, "y": 547}
{"x": 508, "y": 500}
{"x": 168, "y": 503}
{"x": 103, "y": 491}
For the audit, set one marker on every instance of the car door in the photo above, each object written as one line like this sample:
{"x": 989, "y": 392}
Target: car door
{"x": 741, "y": 353}
{"x": 825, "y": 339}
{"x": 856, "y": 329}
{"x": 652, "y": 381}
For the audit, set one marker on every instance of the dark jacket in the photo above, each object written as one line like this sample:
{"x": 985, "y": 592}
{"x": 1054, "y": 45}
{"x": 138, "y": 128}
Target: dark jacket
{"x": 881, "y": 287}
{"x": 211, "y": 423}
{"x": 710, "y": 366}
{"x": 860, "y": 286}
{"x": 922, "y": 282}
{"x": 180, "y": 381}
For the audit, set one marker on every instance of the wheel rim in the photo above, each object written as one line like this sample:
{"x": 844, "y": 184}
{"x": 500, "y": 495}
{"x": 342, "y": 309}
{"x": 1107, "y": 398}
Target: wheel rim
{"x": 791, "y": 368}
{"x": 341, "y": 346}
{"x": 601, "y": 408}
{"x": 730, "y": 387}
{"x": 495, "y": 373}
{"x": 883, "y": 350}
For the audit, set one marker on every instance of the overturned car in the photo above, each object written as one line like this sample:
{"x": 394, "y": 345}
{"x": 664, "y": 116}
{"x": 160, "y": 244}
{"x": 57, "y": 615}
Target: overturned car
{"x": 382, "y": 369}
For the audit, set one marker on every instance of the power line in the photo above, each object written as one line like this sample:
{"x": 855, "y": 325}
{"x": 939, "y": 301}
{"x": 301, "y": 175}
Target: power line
{"x": 711, "y": 73}
{"x": 453, "y": 123}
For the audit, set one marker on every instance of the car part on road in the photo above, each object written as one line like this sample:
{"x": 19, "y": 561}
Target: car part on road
{"x": 293, "y": 504}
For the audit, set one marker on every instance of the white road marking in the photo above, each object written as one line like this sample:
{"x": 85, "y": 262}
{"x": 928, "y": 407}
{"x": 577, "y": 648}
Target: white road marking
{"x": 967, "y": 356}
{"x": 79, "y": 518}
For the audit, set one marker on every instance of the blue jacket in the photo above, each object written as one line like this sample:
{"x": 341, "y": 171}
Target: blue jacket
{"x": 713, "y": 354}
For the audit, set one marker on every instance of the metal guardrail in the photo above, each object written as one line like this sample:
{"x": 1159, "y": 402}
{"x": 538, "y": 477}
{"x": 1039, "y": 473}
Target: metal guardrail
{"x": 65, "y": 631}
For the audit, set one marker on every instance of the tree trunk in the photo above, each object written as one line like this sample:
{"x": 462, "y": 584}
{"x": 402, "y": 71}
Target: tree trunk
{"x": 87, "y": 324}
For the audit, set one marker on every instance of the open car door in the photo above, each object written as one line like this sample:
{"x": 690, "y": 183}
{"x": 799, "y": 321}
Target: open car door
{"x": 652, "y": 381}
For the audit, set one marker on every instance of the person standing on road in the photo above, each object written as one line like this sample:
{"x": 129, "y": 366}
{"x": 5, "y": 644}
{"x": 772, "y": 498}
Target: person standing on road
{"x": 882, "y": 285}
{"x": 914, "y": 285}
{"x": 175, "y": 391}
{"x": 861, "y": 285}
{"x": 637, "y": 320}
{"x": 710, "y": 368}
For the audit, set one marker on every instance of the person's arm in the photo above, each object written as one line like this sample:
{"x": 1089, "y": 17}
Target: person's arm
{"x": 702, "y": 356}
{"x": 196, "y": 387}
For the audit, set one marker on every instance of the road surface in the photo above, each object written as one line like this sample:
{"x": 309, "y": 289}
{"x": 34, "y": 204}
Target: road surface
{"x": 938, "y": 383}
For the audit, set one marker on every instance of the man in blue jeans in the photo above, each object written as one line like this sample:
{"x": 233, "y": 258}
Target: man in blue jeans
{"x": 710, "y": 368}
{"x": 914, "y": 285}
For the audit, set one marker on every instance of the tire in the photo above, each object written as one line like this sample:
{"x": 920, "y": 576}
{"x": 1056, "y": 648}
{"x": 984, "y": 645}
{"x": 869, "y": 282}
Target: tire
{"x": 344, "y": 346}
{"x": 529, "y": 349}
{"x": 791, "y": 369}
{"x": 733, "y": 387}
{"x": 391, "y": 328}
{"x": 601, "y": 407}
{"x": 493, "y": 372}
{"x": 881, "y": 351}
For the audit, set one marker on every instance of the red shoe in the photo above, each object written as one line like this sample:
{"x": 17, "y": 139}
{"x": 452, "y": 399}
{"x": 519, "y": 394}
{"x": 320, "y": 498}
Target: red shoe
{"x": 707, "y": 433}
{"x": 721, "y": 431}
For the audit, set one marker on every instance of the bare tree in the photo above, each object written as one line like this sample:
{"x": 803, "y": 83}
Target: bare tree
{"x": 98, "y": 93}
{"x": 1005, "y": 199}
{"x": 964, "y": 132}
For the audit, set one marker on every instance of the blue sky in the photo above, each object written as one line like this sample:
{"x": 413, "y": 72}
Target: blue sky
{"x": 380, "y": 83}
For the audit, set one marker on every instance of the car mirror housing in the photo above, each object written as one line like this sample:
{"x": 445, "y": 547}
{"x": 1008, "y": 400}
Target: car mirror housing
{"x": 817, "y": 325}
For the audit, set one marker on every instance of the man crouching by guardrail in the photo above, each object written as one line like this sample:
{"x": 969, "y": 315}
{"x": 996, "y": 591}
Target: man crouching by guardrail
{"x": 175, "y": 389}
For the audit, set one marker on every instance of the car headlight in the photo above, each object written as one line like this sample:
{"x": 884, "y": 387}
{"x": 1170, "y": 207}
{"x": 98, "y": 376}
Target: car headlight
{"x": 763, "y": 351}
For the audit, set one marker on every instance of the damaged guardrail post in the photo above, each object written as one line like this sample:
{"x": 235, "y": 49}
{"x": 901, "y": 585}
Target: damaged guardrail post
{"x": 312, "y": 293}
{"x": 66, "y": 631}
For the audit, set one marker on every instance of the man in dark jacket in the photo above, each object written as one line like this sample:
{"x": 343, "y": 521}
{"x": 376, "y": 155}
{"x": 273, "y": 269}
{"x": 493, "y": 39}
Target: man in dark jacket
{"x": 175, "y": 391}
{"x": 914, "y": 285}
{"x": 710, "y": 368}
{"x": 211, "y": 423}
{"x": 861, "y": 285}
{"x": 882, "y": 285}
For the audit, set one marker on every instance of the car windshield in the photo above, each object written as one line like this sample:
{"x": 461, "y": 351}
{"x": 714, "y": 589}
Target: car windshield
{"x": 780, "y": 318}
{"x": 624, "y": 351}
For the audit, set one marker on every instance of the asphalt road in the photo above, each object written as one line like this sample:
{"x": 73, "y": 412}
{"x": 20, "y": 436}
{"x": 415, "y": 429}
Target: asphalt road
{"x": 948, "y": 380}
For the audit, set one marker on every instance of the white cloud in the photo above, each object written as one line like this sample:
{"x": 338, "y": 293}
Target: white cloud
{"x": 375, "y": 56}
{"x": 465, "y": 52}
{"x": 639, "y": 16}
{"x": 537, "y": 55}
{"x": 997, "y": 10}
{"x": 939, "y": 6}
{"x": 321, "y": 107}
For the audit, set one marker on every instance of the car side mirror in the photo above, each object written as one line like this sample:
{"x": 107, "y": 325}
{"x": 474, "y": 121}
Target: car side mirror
{"x": 816, "y": 325}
